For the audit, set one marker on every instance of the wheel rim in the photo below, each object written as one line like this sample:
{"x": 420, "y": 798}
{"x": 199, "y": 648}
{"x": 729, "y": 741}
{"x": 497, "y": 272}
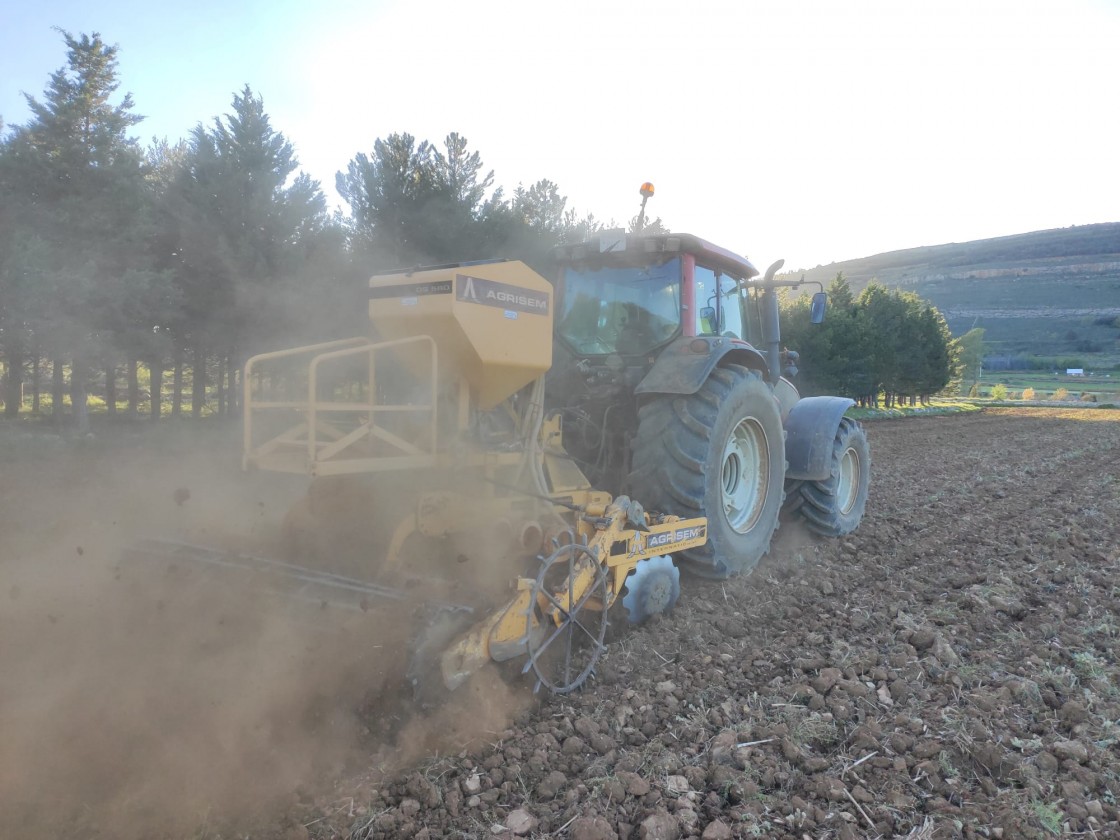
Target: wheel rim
{"x": 847, "y": 482}
{"x": 651, "y": 589}
{"x": 659, "y": 594}
{"x": 745, "y": 474}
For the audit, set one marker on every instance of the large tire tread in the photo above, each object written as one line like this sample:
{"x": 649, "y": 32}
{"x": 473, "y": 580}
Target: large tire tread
{"x": 672, "y": 461}
{"x": 818, "y": 504}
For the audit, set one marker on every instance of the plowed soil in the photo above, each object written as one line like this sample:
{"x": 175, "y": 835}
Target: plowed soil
{"x": 950, "y": 670}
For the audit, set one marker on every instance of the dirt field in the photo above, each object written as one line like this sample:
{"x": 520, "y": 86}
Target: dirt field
{"x": 951, "y": 670}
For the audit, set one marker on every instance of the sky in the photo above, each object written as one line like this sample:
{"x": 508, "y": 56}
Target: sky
{"x": 811, "y": 130}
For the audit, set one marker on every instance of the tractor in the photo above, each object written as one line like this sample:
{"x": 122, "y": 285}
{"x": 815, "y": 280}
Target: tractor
{"x": 533, "y": 456}
{"x": 674, "y": 389}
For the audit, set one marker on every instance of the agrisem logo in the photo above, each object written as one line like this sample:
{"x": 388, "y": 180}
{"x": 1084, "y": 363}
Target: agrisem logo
{"x": 500, "y": 295}
{"x": 697, "y": 532}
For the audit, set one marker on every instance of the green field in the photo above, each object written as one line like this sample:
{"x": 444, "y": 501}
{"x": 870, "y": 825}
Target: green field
{"x": 1100, "y": 388}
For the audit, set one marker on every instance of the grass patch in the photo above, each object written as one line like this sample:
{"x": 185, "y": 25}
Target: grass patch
{"x": 1089, "y": 667}
{"x": 1048, "y": 816}
{"x": 1035, "y": 386}
{"x": 936, "y": 407}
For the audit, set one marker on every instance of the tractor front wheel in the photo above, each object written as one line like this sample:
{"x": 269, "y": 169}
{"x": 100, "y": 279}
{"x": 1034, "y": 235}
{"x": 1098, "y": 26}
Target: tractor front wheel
{"x": 834, "y": 507}
{"x": 718, "y": 453}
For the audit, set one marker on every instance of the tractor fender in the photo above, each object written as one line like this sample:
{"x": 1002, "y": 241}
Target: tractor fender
{"x": 810, "y": 430}
{"x": 687, "y": 363}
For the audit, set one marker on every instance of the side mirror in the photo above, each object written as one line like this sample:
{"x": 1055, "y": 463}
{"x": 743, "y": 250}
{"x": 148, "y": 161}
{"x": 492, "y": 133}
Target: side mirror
{"x": 817, "y": 308}
{"x": 708, "y": 314}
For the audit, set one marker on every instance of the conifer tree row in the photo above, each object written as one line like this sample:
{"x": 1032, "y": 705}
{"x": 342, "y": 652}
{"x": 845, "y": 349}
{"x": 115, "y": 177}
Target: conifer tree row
{"x": 172, "y": 264}
{"x": 882, "y": 343}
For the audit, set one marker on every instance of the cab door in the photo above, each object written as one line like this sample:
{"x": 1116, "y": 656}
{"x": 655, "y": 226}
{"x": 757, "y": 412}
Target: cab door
{"x": 718, "y": 304}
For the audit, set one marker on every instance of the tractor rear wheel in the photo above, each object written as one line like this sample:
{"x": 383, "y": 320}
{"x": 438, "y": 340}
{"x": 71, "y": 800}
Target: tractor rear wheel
{"x": 834, "y": 507}
{"x": 718, "y": 453}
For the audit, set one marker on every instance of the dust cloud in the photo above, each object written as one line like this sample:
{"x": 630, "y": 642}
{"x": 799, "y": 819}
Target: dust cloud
{"x": 141, "y": 700}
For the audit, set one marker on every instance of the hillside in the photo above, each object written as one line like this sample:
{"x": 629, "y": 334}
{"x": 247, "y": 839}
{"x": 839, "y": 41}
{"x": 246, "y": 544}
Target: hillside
{"x": 1050, "y": 292}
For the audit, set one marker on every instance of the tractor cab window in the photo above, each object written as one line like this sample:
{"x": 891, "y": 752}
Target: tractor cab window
{"x": 717, "y": 313}
{"x": 627, "y": 310}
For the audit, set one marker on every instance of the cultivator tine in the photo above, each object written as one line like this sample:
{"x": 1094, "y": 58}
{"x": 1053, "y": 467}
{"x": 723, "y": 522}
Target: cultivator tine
{"x": 278, "y": 577}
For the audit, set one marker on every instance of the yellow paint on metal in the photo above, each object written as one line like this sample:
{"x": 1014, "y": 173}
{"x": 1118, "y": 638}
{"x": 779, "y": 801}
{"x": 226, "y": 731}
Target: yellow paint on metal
{"x": 331, "y": 436}
{"x": 562, "y": 472}
{"x": 612, "y": 542}
{"x": 469, "y": 653}
{"x": 471, "y": 337}
{"x": 491, "y": 321}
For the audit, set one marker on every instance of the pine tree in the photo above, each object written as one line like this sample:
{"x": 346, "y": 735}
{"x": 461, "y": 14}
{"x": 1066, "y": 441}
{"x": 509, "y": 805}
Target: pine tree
{"x": 387, "y": 194}
{"x": 414, "y": 203}
{"x": 79, "y": 179}
{"x": 247, "y": 225}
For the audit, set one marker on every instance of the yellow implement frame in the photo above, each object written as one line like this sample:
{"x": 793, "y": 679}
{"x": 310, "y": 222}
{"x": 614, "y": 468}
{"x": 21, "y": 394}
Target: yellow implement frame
{"x": 329, "y": 430}
{"x": 608, "y": 543}
{"x": 332, "y": 436}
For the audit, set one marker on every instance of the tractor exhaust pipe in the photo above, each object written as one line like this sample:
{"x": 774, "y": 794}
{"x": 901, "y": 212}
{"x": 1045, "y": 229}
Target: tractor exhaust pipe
{"x": 771, "y": 328}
